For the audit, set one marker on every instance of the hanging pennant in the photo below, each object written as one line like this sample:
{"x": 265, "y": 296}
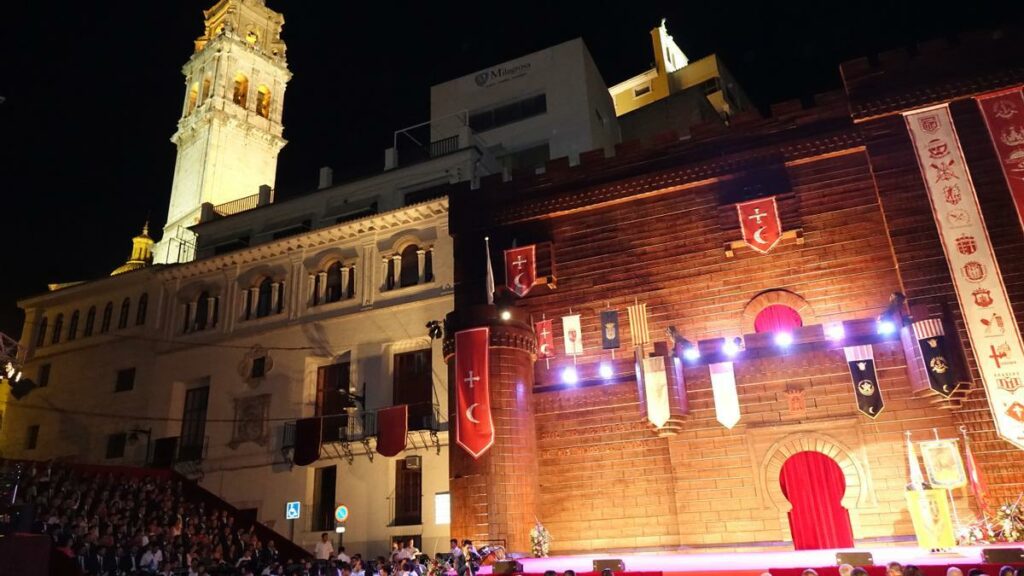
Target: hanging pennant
{"x": 1004, "y": 116}
{"x": 520, "y": 269}
{"x": 609, "y": 330}
{"x": 723, "y": 386}
{"x": 931, "y": 340}
{"x": 545, "y": 339}
{"x": 972, "y": 263}
{"x": 656, "y": 388}
{"x": 759, "y": 220}
{"x": 638, "y": 324}
{"x": 392, "y": 430}
{"x": 943, "y": 464}
{"x": 475, "y": 429}
{"x": 571, "y": 335}
{"x": 861, "y": 361}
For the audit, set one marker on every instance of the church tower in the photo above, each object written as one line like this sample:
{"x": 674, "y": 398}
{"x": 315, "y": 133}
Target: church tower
{"x": 230, "y": 131}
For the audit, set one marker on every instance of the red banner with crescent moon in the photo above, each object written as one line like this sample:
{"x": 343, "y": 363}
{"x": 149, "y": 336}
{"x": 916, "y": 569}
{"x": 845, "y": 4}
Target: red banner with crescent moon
{"x": 520, "y": 269}
{"x": 1004, "y": 116}
{"x": 760, "y": 222}
{"x": 474, "y": 428}
{"x": 545, "y": 339}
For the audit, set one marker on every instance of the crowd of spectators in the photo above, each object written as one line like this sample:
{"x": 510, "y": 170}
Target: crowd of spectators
{"x": 126, "y": 525}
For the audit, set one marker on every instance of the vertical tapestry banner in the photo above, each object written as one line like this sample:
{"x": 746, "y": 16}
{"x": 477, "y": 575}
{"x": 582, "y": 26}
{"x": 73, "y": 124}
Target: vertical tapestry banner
{"x": 931, "y": 339}
{"x": 545, "y": 339}
{"x": 475, "y": 429}
{"x": 656, "y": 386}
{"x": 943, "y": 463}
{"x": 571, "y": 336}
{"x": 609, "y": 329}
{"x": 972, "y": 263}
{"x": 723, "y": 387}
{"x": 861, "y": 360}
{"x": 1004, "y": 116}
{"x": 520, "y": 269}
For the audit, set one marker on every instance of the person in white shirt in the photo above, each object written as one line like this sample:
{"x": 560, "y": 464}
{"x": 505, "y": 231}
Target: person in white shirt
{"x": 324, "y": 548}
{"x": 342, "y": 557}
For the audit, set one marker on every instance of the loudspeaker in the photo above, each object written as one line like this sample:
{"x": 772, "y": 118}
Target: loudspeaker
{"x": 506, "y": 567}
{"x": 613, "y": 564}
{"x": 1002, "y": 555}
{"x": 855, "y": 559}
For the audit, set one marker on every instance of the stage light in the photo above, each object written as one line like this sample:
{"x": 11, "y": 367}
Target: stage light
{"x": 783, "y": 339}
{"x": 605, "y": 370}
{"x": 885, "y": 326}
{"x": 506, "y": 315}
{"x": 731, "y": 347}
{"x": 691, "y": 353}
{"x": 569, "y": 375}
{"x": 435, "y": 330}
{"x": 835, "y": 331}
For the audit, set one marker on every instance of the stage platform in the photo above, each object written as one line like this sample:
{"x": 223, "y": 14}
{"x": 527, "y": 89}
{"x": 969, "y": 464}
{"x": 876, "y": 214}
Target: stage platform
{"x": 779, "y": 563}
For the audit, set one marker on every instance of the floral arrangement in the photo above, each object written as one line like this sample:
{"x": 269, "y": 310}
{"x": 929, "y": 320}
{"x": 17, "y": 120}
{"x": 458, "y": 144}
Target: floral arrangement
{"x": 438, "y": 568}
{"x": 1006, "y": 525}
{"x": 540, "y": 541}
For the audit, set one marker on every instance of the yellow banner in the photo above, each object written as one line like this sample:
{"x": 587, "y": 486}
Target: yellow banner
{"x": 933, "y": 525}
{"x": 943, "y": 463}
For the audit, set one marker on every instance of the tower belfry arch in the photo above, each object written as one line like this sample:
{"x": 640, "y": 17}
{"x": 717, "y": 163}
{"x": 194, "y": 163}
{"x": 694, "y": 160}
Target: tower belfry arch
{"x": 230, "y": 132}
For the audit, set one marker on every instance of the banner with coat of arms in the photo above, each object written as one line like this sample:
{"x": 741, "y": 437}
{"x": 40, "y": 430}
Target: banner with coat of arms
{"x": 931, "y": 340}
{"x": 1004, "y": 116}
{"x": 943, "y": 463}
{"x": 861, "y": 361}
{"x": 987, "y": 314}
{"x": 759, "y": 220}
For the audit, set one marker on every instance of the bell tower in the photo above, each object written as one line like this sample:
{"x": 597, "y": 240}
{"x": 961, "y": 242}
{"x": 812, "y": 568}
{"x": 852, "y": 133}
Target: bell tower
{"x": 230, "y": 131}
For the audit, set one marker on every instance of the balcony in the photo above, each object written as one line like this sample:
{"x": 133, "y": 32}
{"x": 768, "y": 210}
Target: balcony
{"x": 429, "y": 140}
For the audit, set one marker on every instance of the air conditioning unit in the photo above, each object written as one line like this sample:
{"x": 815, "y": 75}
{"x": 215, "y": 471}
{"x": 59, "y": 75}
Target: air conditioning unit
{"x": 413, "y": 462}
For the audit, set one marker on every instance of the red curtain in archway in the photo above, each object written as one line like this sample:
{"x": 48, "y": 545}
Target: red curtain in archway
{"x": 814, "y": 484}
{"x": 777, "y": 318}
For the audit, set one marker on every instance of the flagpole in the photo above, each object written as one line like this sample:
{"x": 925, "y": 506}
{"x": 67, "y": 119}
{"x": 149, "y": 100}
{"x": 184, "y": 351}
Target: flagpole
{"x": 490, "y": 272}
{"x": 952, "y": 500}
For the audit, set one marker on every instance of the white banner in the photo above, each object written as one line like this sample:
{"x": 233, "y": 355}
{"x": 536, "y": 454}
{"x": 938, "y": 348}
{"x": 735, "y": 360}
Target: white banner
{"x": 990, "y": 323}
{"x": 727, "y": 401}
{"x": 656, "y": 386}
{"x": 571, "y": 335}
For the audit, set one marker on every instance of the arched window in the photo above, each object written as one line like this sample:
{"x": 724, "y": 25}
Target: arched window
{"x": 240, "y": 94}
{"x": 122, "y": 319}
{"x": 58, "y": 325}
{"x": 193, "y": 98}
{"x": 90, "y": 321}
{"x": 140, "y": 309}
{"x": 202, "y": 311}
{"x": 41, "y": 334}
{"x": 206, "y": 89}
{"x": 777, "y": 318}
{"x": 333, "y": 293}
{"x": 73, "y": 326}
{"x": 108, "y": 312}
{"x": 410, "y": 272}
{"x": 266, "y": 291}
{"x": 263, "y": 101}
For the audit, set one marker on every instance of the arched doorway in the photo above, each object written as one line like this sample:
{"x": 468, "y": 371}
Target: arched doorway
{"x": 814, "y": 484}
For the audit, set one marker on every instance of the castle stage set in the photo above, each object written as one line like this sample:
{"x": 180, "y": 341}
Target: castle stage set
{"x": 755, "y": 338}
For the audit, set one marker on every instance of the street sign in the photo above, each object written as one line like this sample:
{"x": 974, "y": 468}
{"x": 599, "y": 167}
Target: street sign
{"x": 292, "y": 510}
{"x": 341, "y": 513}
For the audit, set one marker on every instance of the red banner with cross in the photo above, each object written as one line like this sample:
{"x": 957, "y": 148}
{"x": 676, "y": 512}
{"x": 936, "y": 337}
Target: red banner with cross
{"x": 759, "y": 219}
{"x": 474, "y": 427}
{"x": 520, "y": 269}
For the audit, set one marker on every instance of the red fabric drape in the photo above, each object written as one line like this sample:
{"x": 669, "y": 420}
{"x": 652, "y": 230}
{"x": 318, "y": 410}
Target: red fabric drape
{"x": 777, "y": 318}
{"x": 392, "y": 429}
{"x": 814, "y": 484}
{"x": 308, "y": 438}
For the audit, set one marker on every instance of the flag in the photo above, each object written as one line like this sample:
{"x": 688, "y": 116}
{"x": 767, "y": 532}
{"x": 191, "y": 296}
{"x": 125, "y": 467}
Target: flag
{"x": 656, "y": 388}
{"x": 943, "y": 463}
{"x": 638, "y": 324}
{"x": 490, "y": 272}
{"x": 1004, "y": 116}
{"x": 545, "y": 339}
{"x": 571, "y": 335}
{"x": 392, "y": 430}
{"x": 474, "y": 426}
{"x": 931, "y": 340}
{"x": 723, "y": 386}
{"x": 609, "y": 330}
{"x": 916, "y": 478}
{"x": 978, "y": 485}
{"x": 759, "y": 220}
{"x": 861, "y": 362}
{"x": 929, "y": 513}
{"x": 520, "y": 269}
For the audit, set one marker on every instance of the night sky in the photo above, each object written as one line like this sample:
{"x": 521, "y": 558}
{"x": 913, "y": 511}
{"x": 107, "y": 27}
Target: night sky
{"x": 94, "y": 90}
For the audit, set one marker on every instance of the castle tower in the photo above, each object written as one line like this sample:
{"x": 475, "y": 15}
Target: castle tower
{"x": 230, "y": 130}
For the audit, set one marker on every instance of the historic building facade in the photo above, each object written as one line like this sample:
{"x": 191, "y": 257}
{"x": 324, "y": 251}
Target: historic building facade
{"x": 757, "y": 349}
